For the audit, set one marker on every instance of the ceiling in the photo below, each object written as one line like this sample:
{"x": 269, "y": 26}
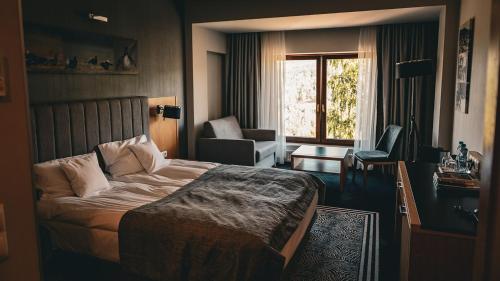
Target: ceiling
{"x": 335, "y": 20}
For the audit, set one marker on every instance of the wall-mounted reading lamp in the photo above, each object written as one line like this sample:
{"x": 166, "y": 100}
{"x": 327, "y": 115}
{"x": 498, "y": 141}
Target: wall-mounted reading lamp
{"x": 169, "y": 111}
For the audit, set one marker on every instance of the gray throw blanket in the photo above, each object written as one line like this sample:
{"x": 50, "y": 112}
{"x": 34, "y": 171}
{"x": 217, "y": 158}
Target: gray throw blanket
{"x": 229, "y": 224}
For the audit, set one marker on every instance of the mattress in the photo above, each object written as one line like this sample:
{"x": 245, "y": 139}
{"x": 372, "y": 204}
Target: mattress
{"x": 89, "y": 226}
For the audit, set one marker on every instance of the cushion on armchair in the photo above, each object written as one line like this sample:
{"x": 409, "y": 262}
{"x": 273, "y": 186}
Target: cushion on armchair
{"x": 224, "y": 128}
{"x": 373, "y": 155}
{"x": 264, "y": 149}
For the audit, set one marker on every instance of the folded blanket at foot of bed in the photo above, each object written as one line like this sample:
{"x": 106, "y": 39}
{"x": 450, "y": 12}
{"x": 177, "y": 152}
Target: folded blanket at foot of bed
{"x": 229, "y": 224}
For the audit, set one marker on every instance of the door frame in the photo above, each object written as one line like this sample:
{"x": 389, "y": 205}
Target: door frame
{"x": 487, "y": 256}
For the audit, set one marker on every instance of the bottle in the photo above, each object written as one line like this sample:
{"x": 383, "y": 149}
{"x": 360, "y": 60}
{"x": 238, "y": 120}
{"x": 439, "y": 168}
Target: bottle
{"x": 465, "y": 153}
{"x": 462, "y": 158}
{"x": 459, "y": 147}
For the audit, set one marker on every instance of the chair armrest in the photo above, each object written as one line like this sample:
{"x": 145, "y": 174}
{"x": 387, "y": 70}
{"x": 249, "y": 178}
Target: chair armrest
{"x": 259, "y": 134}
{"x": 227, "y": 151}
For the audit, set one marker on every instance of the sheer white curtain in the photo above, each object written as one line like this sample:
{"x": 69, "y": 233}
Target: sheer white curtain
{"x": 271, "y": 102}
{"x": 366, "y": 107}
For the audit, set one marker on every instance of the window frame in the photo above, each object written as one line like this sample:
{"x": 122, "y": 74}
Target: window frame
{"x": 321, "y": 134}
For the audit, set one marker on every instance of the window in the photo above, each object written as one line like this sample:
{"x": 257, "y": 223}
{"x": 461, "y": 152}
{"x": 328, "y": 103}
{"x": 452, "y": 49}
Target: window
{"x": 320, "y": 98}
{"x": 301, "y": 98}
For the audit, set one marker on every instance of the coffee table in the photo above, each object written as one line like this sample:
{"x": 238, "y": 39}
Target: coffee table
{"x": 324, "y": 159}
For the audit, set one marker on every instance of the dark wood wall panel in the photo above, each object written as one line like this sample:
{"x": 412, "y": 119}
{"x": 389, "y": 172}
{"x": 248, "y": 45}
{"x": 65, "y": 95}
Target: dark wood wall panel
{"x": 156, "y": 25}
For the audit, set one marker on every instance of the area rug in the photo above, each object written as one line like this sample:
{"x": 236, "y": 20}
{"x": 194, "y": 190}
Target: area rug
{"x": 342, "y": 245}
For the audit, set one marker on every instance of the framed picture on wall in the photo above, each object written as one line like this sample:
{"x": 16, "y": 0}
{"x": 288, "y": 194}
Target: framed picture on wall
{"x": 464, "y": 65}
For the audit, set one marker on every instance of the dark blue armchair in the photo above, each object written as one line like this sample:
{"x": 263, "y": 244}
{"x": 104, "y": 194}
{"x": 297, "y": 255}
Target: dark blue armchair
{"x": 385, "y": 152}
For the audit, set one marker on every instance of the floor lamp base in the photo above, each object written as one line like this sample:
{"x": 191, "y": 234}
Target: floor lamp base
{"x": 413, "y": 140}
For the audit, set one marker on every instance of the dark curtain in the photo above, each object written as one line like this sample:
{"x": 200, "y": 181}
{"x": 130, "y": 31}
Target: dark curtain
{"x": 397, "y": 43}
{"x": 242, "y": 87}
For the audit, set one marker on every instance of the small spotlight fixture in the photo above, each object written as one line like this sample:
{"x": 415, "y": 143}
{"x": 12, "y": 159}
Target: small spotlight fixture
{"x": 95, "y": 17}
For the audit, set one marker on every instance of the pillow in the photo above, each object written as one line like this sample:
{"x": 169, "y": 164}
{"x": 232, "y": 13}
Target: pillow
{"x": 85, "y": 175}
{"x": 51, "y": 180}
{"x": 119, "y": 159}
{"x": 149, "y": 156}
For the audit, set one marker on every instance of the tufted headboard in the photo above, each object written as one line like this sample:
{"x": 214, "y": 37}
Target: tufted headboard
{"x": 72, "y": 128}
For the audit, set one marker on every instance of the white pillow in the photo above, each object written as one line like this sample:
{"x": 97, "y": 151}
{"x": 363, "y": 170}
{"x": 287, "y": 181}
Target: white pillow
{"x": 149, "y": 156}
{"x": 51, "y": 180}
{"x": 119, "y": 159}
{"x": 85, "y": 175}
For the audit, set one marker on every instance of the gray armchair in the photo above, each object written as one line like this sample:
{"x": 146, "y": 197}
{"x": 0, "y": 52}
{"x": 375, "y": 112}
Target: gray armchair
{"x": 225, "y": 142}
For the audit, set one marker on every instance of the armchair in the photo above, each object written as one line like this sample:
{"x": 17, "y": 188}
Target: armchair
{"x": 225, "y": 142}
{"x": 384, "y": 153}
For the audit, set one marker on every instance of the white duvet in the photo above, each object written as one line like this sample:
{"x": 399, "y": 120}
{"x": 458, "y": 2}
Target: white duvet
{"x": 104, "y": 210}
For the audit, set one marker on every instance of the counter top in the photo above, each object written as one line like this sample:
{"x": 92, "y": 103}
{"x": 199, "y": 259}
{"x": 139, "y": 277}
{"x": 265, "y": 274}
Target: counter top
{"x": 436, "y": 208}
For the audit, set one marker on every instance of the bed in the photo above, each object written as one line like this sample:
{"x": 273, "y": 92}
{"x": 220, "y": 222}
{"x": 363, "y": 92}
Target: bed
{"x": 94, "y": 226}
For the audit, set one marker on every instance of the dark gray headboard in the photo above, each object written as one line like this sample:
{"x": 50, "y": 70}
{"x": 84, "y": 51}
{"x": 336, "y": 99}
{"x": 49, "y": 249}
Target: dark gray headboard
{"x": 73, "y": 128}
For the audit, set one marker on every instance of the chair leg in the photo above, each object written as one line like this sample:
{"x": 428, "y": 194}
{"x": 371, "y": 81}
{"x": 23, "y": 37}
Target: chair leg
{"x": 354, "y": 168}
{"x": 394, "y": 168}
{"x": 365, "y": 175}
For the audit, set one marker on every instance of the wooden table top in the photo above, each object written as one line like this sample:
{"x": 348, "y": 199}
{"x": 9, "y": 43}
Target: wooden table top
{"x": 321, "y": 152}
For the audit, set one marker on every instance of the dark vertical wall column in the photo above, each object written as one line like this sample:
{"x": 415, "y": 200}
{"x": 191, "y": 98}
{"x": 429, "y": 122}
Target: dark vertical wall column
{"x": 16, "y": 191}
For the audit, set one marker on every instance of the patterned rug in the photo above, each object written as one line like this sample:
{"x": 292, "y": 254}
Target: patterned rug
{"x": 342, "y": 245}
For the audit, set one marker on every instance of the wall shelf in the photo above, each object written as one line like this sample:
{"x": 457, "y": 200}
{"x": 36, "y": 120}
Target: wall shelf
{"x": 50, "y": 49}
{"x": 63, "y": 70}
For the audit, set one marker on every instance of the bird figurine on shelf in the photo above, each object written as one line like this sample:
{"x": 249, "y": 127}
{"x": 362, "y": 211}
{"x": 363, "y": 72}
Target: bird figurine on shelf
{"x": 106, "y": 64}
{"x": 93, "y": 61}
{"x": 72, "y": 63}
{"x": 32, "y": 59}
{"x": 125, "y": 62}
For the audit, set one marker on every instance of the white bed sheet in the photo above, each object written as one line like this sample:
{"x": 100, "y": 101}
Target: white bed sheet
{"x": 90, "y": 225}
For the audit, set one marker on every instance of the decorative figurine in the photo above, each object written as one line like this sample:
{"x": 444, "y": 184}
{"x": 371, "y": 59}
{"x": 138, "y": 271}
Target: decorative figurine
{"x": 106, "y": 64}
{"x": 72, "y": 63}
{"x": 92, "y": 61}
{"x": 32, "y": 59}
{"x": 125, "y": 62}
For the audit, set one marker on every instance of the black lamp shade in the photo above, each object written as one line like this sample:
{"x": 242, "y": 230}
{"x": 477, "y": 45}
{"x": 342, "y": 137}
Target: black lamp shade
{"x": 173, "y": 112}
{"x": 414, "y": 68}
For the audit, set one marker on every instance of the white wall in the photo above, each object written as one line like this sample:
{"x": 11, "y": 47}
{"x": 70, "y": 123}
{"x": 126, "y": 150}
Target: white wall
{"x": 215, "y": 84}
{"x": 442, "y": 130}
{"x": 203, "y": 41}
{"x": 469, "y": 127}
{"x": 332, "y": 40}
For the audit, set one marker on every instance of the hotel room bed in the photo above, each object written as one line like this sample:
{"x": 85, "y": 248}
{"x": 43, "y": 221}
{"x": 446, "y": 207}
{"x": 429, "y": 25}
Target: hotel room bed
{"x": 90, "y": 225}
{"x": 96, "y": 226}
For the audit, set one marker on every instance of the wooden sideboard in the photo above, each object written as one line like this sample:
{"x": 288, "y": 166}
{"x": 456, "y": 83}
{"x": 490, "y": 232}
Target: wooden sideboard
{"x": 437, "y": 243}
